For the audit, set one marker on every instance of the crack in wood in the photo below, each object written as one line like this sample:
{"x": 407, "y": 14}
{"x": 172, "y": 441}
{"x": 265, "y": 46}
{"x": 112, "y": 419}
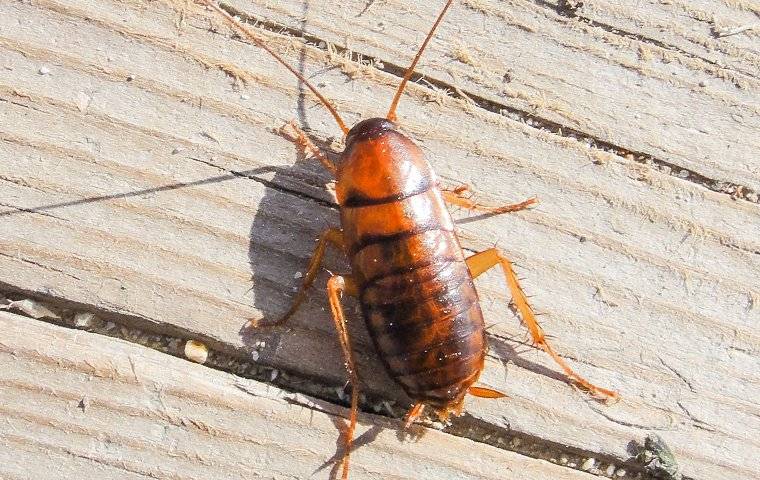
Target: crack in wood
{"x": 735, "y": 190}
{"x": 113, "y": 325}
{"x": 568, "y": 9}
{"x": 46, "y": 267}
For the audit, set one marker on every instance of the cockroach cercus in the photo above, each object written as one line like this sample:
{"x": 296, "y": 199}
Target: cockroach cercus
{"x": 408, "y": 271}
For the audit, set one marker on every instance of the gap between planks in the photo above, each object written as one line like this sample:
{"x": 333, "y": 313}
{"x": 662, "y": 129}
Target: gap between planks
{"x": 66, "y": 391}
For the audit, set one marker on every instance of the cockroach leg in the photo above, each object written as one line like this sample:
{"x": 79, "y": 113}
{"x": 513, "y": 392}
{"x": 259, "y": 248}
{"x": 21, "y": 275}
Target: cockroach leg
{"x": 458, "y": 190}
{"x": 455, "y": 197}
{"x": 305, "y": 143}
{"x": 332, "y": 236}
{"x": 337, "y": 285}
{"x": 485, "y": 260}
{"x": 413, "y": 414}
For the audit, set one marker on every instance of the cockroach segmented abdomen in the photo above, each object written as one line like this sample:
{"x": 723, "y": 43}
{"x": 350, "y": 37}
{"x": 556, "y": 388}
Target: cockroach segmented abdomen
{"x": 416, "y": 292}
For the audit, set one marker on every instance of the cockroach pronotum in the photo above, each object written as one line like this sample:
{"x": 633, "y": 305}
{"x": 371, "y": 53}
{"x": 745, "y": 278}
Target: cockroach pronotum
{"x": 408, "y": 271}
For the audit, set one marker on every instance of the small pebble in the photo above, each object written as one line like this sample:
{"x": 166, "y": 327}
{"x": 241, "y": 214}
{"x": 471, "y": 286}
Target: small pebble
{"x": 621, "y": 472}
{"x": 255, "y": 355}
{"x": 437, "y": 425}
{"x": 44, "y": 71}
{"x": 588, "y": 464}
{"x": 563, "y": 459}
{"x": 702, "y": 83}
{"x": 84, "y": 319}
{"x": 30, "y": 308}
{"x": 610, "y": 470}
{"x": 177, "y": 150}
{"x": 196, "y": 351}
{"x": 273, "y": 374}
{"x": 245, "y": 96}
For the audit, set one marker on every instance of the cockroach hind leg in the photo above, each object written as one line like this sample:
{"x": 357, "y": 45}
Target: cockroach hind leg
{"x": 336, "y": 287}
{"x": 485, "y": 260}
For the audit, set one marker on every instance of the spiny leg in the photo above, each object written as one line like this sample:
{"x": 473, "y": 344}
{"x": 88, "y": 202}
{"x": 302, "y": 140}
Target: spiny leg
{"x": 305, "y": 143}
{"x": 485, "y": 260}
{"x": 336, "y": 286}
{"x": 456, "y": 197}
{"x": 413, "y": 414}
{"x": 331, "y": 235}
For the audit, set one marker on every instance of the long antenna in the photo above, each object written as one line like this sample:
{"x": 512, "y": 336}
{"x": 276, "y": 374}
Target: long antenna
{"x": 392, "y": 112}
{"x": 248, "y": 33}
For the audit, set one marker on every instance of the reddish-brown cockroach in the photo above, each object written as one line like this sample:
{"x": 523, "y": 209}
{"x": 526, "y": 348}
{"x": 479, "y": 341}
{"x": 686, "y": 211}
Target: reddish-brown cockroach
{"x": 408, "y": 270}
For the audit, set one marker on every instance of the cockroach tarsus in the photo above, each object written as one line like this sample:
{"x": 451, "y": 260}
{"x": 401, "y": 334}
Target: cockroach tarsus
{"x": 408, "y": 270}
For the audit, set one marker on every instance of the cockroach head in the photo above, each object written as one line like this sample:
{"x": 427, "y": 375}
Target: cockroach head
{"x": 369, "y": 129}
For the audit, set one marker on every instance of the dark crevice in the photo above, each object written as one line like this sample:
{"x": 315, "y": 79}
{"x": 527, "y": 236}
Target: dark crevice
{"x": 483, "y": 432}
{"x": 113, "y": 322}
{"x": 735, "y": 190}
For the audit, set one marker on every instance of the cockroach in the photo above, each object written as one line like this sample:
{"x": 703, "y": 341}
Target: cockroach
{"x": 408, "y": 271}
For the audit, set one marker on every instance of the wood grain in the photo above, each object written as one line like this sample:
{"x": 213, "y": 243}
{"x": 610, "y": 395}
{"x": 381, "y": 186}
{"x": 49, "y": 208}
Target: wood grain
{"x": 81, "y": 405}
{"x": 613, "y": 82}
{"x": 143, "y": 175}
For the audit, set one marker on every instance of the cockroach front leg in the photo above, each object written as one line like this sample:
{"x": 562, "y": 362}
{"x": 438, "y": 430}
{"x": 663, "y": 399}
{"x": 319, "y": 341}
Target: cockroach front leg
{"x": 336, "y": 287}
{"x": 306, "y": 144}
{"x": 455, "y": 197}
{"x": 485, "y": 260}
{"x": 332, "y": 236}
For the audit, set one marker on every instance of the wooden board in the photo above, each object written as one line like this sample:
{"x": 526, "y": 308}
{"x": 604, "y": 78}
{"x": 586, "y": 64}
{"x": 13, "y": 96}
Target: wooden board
{"x": 586, "y": 71}
{"x": 81, "y": 405}
{"x": 144, "y": 177}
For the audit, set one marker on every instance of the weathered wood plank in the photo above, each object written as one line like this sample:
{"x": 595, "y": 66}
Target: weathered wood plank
{"x": 80, "y": 405}
{"x": 616, "y": 87}
{"x": 164, "y": 189}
